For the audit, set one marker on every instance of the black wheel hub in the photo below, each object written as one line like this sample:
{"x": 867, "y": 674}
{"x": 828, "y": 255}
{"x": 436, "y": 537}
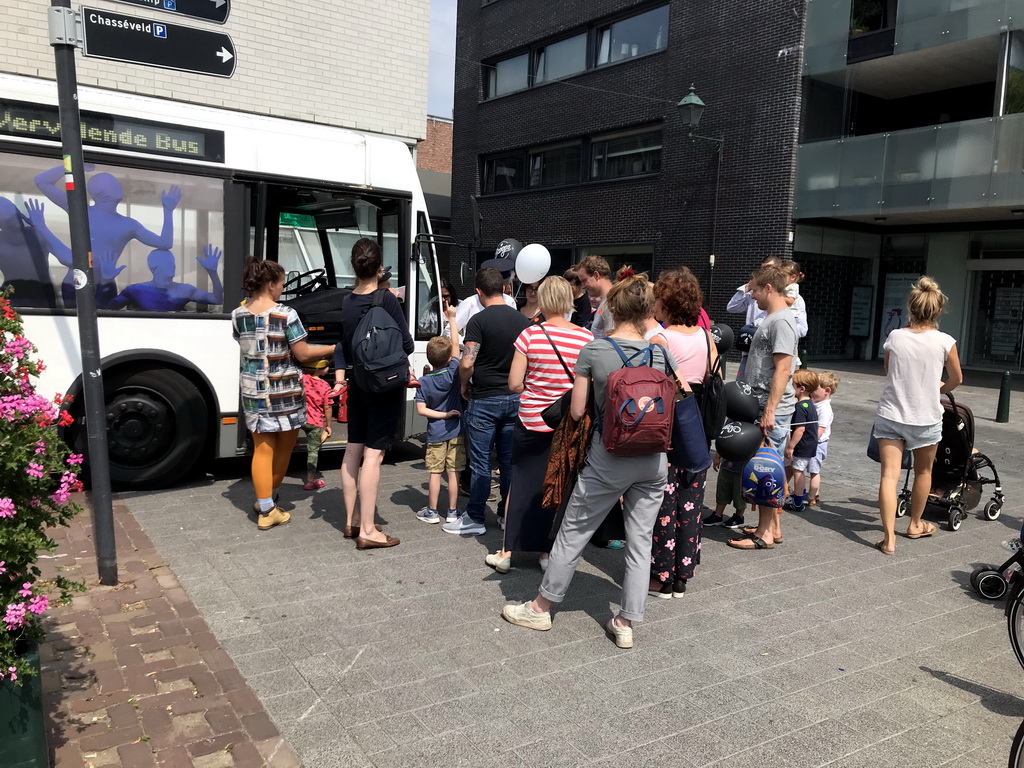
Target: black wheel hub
{"x": 140, "y": 428}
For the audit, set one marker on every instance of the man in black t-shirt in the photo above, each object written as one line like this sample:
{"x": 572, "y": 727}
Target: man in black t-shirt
{"x": 493, "y": 407}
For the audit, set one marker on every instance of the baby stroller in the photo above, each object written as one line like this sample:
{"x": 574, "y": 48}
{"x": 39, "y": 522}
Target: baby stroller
{"x": 957, "y": 481}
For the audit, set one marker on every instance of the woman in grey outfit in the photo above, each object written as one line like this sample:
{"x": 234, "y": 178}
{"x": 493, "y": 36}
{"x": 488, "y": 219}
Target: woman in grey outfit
{"x": 640, "y": 480}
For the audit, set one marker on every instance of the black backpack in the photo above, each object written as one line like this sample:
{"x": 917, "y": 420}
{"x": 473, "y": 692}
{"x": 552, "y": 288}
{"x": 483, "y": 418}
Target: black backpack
{"x": 712, "y": 397}
{"x": 379, "y": 362}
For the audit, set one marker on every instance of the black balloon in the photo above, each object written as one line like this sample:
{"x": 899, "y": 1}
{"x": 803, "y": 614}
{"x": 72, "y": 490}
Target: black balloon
{"x": 723, "y": 336}
{"x": 740, "y": 403}
{"x": 739, "y": 441}
{"x": 508, "y": 248}
{"x": 745, "y": 336}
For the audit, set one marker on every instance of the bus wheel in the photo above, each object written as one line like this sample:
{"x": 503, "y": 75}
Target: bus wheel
{"x": 157, "y": 425}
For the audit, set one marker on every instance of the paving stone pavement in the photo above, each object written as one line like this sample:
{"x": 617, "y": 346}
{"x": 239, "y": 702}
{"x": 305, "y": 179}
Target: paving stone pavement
{"x": 820, "y": 652}
{"x": 132, "y": 675}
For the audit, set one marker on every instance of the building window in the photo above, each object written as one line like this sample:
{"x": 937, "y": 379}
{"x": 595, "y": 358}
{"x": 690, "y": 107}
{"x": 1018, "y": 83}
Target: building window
{"x": 634, "y": 36}
{"x": 508, "y": 76}
{"x": 555, "y": 166}
{"x": 622, "y": 155}
{"x": 505, "y": 173}
{"x": 619, "y": 41}
{"x": 561, "y": 59}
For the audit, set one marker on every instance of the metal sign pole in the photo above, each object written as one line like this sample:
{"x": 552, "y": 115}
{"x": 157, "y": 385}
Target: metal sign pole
{"x": 64, "y": 38}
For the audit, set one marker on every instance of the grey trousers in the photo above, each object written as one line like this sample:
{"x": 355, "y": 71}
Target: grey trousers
{"x": 604, "y": 478}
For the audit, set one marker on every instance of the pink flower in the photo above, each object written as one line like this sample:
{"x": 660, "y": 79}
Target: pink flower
{"x": 34, "y": 470}
{"x": 75, "y": 458}
{"x": 15, "y": 615}
{"x": 688, "y": 506}
{"x": 26, "y": 590}
{"x": 670, "y": 488}
{"x": 664, "y": 520}
{"x": 687, "y": 561}
{"x": 663, "y": 576}
{"x": 41, "y": 447}
{"x": 7, "y": 509}
{"x": 670, "y": 545}
{"x": 39, "y": 604}
{"x": 12, "y": 672}
{"x": 3, "y": 568}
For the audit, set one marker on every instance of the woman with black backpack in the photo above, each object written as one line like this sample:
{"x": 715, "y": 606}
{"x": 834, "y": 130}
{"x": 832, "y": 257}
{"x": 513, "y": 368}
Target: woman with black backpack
{"x": 374, "y": 409}
{"x": 607, "y": 476}
{"x": 675, "y": 551}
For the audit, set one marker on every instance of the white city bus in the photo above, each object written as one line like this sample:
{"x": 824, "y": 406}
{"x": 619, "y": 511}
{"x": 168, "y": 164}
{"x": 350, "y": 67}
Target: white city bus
{"x": 170, "y": 187}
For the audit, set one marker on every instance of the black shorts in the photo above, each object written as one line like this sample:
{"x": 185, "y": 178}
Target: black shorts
{"x": 373, "y": 417}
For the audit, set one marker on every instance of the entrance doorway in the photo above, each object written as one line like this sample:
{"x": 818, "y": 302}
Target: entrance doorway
{"x": 997, "y": 321}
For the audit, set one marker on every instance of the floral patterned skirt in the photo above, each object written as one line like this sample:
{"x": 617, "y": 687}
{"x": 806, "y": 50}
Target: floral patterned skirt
{"x": 675, "y": 552}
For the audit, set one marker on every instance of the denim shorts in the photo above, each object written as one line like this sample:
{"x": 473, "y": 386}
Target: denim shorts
{"x": 819, "y": 458}
{"x": 778, "y": 436}
{"x": 914, "y": 436}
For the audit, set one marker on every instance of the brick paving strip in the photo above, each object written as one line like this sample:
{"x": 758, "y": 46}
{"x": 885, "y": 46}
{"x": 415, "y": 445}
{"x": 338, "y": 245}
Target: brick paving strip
{"x": 132, "y": 674}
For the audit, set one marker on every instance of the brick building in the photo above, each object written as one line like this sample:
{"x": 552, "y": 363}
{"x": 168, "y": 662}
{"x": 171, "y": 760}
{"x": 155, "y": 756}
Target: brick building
{"x": 567, "y": 129}
{"x": 354, "y": 64}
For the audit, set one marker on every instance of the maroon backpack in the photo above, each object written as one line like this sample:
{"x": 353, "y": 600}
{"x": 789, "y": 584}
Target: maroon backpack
{"x": 638, "y": 406}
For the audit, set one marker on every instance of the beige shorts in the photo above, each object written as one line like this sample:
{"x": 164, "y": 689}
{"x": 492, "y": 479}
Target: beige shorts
{"x": 448, "y": 456}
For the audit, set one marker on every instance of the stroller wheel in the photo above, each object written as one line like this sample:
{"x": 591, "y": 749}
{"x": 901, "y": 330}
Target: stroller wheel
{"x": 990, "y": 584}
{"x": 992, "y": 509}
{"x": 977, "y": 572}
{"x": 901, "y": 507}
{"x": 956, "y": 517}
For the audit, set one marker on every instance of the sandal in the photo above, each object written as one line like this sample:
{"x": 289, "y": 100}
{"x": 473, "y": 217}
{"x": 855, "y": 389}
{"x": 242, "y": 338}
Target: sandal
{"x": 314, "y": 486}
{"x": 929, "y": 529}
{"x": 757, "y": 541}
{"x": 880, "y": 546}
{"x": 750, "y": 530}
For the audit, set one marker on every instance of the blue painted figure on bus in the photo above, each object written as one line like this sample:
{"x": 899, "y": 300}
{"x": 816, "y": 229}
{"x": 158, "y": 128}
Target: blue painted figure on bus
{"x": 111, "y": 231}
{"x": 163, "y": 294}
{"x": 23, "y": 261}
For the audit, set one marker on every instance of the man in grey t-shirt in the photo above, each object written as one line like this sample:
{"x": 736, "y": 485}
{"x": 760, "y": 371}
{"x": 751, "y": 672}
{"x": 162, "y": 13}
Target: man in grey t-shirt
{"x": 769, "y": 373}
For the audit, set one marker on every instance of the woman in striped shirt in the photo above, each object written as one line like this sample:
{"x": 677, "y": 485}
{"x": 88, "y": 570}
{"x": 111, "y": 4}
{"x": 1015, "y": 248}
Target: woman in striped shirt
{"x": 545, "y": 356}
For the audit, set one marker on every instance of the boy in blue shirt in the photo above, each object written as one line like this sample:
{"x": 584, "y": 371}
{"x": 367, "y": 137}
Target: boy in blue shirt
{"x": 439, "y": 398}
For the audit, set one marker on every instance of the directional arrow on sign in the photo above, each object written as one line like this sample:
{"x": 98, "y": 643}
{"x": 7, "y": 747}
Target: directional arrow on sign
{"x": 135, "y": 40}
{"x": 216, "y": 11}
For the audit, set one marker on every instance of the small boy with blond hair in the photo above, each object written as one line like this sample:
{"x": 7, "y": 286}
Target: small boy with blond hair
{"x": 803, "y": 438}
{"x": 828, "y": 385}
{"x": 439, "y": 398}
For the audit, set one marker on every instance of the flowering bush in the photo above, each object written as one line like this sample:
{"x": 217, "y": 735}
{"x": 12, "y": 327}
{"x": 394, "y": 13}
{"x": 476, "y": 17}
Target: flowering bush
{"x": 37, "y": 476}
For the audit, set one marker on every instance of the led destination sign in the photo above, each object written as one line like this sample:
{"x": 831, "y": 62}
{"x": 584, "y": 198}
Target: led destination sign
{"x": 41, "y": 121}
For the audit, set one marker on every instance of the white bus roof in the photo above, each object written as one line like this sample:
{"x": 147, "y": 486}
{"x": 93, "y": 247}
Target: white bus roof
{"x": 253, "y": 143}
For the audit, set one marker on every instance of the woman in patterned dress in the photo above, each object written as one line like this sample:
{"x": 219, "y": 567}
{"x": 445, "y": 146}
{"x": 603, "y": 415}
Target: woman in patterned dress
{"x": 270, "y": 337}
{"x": 675, "y": 552}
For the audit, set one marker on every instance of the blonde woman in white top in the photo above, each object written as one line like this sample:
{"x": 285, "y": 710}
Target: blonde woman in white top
{"x": 910, "y": 407}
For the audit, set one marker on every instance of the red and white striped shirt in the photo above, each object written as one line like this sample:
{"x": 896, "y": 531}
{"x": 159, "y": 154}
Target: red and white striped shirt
{"x": 546, "y": 380}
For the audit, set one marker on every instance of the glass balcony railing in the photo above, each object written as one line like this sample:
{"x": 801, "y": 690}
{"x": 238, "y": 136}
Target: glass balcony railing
{"x": 919, "y": 24}
{"x": 925, "y": 23}
{"x": 972, "y": 164}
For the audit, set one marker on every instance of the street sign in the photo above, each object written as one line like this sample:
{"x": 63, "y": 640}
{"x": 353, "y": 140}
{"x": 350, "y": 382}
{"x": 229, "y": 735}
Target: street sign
{"x": 134, "y": 40}
{"x": 216, "y": 11}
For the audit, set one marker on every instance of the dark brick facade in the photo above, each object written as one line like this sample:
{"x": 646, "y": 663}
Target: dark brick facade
{"x": 745, "y": 60}
{"x": 826, "y": 290}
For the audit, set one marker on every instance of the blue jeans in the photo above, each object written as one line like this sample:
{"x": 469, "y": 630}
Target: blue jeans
{"x": 490, "y": 422}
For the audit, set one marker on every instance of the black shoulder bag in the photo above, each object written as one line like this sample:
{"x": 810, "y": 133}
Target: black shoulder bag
{"x": 554, "y": 413}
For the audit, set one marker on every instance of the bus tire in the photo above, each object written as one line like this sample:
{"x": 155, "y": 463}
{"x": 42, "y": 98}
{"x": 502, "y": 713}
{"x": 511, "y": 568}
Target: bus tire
{"x": 157, "y": 427}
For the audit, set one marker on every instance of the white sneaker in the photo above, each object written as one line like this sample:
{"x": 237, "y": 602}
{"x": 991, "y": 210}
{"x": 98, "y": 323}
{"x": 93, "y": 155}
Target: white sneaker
{"x": 453, "y": 515}
{"x": 524, "y": 616}
{"x": 623, "y": 636}
{"x": 500, "y": 564}
{"x": 465, "y": 526}
{"x": 428, "y": 515}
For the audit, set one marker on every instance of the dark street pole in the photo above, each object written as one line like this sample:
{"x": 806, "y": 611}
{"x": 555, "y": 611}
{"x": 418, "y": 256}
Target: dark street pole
{"x": 64, "y": 39}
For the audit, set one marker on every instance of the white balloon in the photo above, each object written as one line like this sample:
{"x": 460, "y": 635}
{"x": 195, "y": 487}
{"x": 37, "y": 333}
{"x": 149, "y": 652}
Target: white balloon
{"x": 532, "y": 263}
